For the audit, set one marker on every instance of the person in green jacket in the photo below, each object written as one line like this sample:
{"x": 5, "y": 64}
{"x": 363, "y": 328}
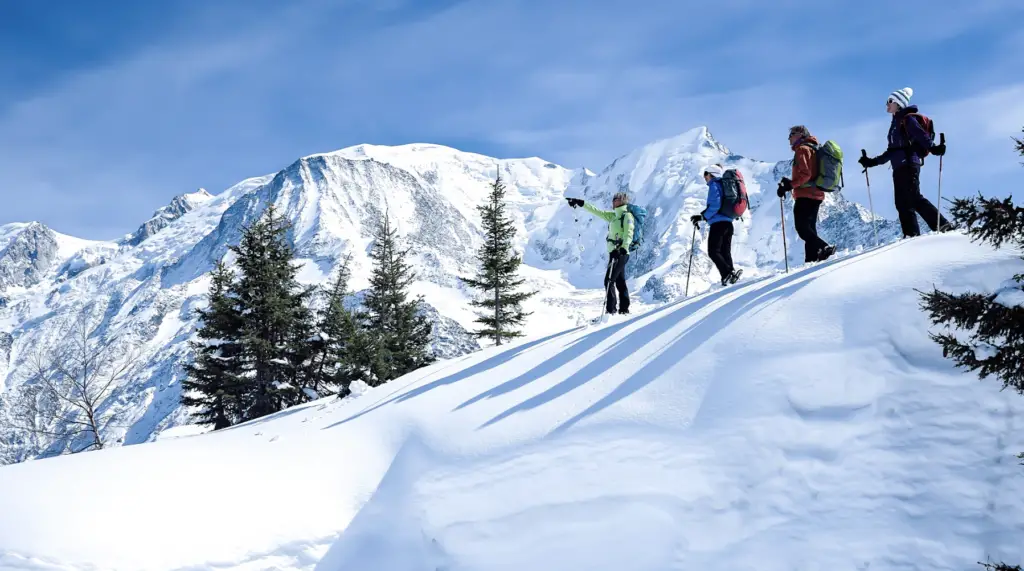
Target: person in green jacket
{"x": 620, "y": 236}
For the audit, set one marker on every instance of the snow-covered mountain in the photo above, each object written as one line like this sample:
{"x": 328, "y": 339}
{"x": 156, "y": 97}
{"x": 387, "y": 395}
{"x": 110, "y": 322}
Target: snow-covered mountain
{"x": 146, "y": 285}
{"x": 801, "y": 421}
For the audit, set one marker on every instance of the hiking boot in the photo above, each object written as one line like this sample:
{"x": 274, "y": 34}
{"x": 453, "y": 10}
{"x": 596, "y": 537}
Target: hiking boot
{"x": 826, "y": 253}
{"x": 623, "y": 312}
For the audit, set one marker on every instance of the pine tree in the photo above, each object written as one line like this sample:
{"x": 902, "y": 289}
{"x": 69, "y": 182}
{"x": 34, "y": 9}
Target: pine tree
{"x": 333, "y": 364}
{"x": 994, "y": 332}
{"x": 213, "y": 384}
{"x": 276, "y": 324}
{"x": 497, "y": 275}
{"x": 995, "y": 344}
{"x": 397, "y": 334}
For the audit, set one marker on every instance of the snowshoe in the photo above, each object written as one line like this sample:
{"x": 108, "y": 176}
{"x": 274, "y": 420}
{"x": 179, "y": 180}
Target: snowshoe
{"x": 732, "y": 278}
{"x": 603, "y": 318}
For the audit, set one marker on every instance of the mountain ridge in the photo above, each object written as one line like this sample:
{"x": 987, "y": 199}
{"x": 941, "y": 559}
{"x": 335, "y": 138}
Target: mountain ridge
{"x": 147, "y": 286}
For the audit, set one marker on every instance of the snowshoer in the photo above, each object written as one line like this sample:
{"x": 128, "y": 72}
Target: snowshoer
{"x": 911, "y": 138}
{"x": 620, "y": 236}
{"x": 806, "y": 194}
{"x": 720, "y": 234}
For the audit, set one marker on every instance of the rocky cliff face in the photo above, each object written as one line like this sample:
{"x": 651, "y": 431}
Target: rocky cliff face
{"x": 26, "y": 253}
{"x": 163, "y": 217}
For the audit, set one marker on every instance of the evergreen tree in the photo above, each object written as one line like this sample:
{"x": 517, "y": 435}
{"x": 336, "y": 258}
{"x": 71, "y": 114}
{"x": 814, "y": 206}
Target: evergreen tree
{"x": 276, "y": 324}
{"x": 995, "y": 344}
{"x": 213, "y": 384}
{"x": 994, "y": 331}
{"x": 497, "y": 275}
{"x": 333, "y": 365}
{"x": 397, "y": 335}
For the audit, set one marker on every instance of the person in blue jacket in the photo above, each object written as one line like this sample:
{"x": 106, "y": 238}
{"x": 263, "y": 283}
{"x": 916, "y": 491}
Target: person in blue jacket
{"x": 720, "y": 235}
{"x": 908, "y": 141}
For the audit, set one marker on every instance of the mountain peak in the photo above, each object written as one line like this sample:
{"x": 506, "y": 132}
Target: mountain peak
{"x": 388, "y": 153}
{"x": 178, "y": 207}
{"x": 695, "y": 140}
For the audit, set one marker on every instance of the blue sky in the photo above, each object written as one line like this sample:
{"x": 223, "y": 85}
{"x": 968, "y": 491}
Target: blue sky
{"x": 110, "y": 108}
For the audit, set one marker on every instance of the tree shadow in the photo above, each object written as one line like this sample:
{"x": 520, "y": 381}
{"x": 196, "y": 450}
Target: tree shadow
{"x": 480, "y": 367}
{"x": 690, "y": 340}
{"x": 679, "y": 348}
{"x": 578, "y": 346}
{"x": 706, "y": 327}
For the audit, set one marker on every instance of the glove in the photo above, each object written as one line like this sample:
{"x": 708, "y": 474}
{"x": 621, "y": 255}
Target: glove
{"x": 868, "y": 162}
{"x": 696, "y": 218}
{"x": 939, "y": 150}
{"x": 618, "y": 253}
{"x": 574, "y": 202}
{"x": 785, "y": 185}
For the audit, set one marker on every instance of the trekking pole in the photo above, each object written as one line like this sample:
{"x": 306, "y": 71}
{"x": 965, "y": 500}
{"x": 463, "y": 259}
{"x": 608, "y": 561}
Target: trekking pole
{"x": 785, "y": 251}
{"x": 693, "y": 244}
{"x": 938, "y": 205}
{"x": 871, "y": 204}
{"x": 607, "y": 291}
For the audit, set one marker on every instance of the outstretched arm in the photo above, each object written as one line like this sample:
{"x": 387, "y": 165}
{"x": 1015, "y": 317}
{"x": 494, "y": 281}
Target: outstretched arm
{"x": 602, "y": 214}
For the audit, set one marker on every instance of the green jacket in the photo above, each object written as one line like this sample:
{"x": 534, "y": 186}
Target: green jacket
{"x": 620, "y": 225}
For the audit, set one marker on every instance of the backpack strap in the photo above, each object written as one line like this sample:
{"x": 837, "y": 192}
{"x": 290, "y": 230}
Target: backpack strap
{"x": 906, "y": 134}
{"x": 814, "y": 162}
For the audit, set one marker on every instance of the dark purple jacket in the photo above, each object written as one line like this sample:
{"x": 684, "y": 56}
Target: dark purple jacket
{"x": 906, "y": 145}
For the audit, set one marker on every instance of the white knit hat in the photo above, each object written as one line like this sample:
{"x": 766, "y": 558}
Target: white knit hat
{"x": 901, "y": 97}
{"x": 714, "y": 170}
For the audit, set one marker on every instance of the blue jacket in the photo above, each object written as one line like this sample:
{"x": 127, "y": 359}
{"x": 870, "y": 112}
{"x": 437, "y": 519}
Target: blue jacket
{"x": 711, "y": 213}
{"x": 905, "y": 145}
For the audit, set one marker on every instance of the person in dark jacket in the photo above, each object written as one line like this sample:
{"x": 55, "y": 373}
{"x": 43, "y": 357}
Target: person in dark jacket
{"x": 720, "y": 235}
{"x": 807, "y": 197}
{"x": 908, "y": 142}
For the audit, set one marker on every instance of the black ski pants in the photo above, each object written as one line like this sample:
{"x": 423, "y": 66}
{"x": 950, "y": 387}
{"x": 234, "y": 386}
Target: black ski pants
{"x": 720, "y": 247}
{"x": 906, "y": 184}
{"x": 616, "y": 274}
{"x": 805, "y": 218}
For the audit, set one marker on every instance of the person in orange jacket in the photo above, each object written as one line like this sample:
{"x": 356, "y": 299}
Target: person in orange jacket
{"x": 807, "y": 196}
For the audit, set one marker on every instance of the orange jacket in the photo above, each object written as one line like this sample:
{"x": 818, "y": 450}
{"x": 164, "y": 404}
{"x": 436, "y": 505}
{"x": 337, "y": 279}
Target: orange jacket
{"x": 805, "y": 170}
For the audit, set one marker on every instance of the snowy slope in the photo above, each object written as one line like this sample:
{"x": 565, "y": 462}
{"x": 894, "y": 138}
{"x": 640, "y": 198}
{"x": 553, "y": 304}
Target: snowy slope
{"x": 800, "y": 421}
{"x": 146, "y": 285}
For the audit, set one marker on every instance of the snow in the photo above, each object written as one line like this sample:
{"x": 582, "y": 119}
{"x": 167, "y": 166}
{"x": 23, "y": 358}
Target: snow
{"x": 984, "y": 351}
{"x": 9, "y": 231}
{"x": 1011, "y": 295}
{"x": 68, "y": 246}
{"x": 791, "y": 421}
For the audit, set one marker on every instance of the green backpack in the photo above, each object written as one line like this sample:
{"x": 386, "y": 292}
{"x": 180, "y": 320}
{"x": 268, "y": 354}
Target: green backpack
{"x": 830, "y": 166}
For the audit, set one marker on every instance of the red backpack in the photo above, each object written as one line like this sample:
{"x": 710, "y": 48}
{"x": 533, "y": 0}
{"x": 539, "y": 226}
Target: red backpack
{"x": 734, "y": 194}
{"x": 926, "y": 124}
